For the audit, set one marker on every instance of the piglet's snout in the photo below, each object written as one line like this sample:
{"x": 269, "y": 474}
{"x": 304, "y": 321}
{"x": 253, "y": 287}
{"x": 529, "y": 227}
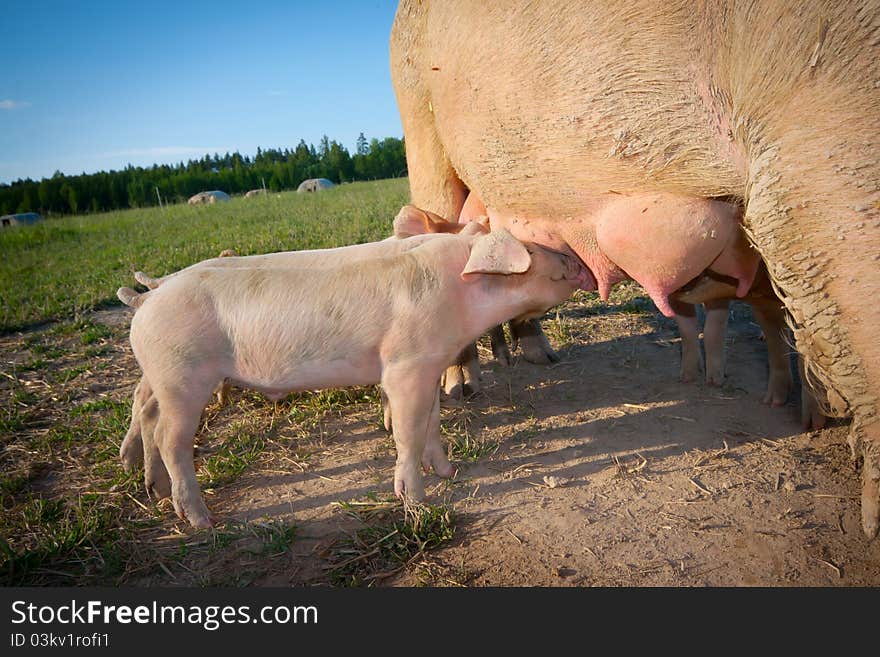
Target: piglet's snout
{"x": 562, "y": 266}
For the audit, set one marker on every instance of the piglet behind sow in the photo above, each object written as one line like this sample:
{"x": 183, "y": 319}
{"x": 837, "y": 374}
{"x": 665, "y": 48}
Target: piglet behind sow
{"x": 382, "y": 319}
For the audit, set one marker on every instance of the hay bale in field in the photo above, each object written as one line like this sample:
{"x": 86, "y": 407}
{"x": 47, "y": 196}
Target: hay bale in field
{"x": 314, "y": 185}
{"x": 20, "y": 219}
{"x": 255, "y": 192}
{"x": 208, "y": 197}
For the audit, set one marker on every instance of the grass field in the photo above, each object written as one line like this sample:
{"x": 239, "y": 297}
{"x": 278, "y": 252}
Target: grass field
{"x": 60, "y": 267}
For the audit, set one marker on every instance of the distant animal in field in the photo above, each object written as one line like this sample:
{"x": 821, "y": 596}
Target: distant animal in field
{"x": 315, "y": 185}
{"x": 20, "y": 219}
{"x": 208, "y": 197}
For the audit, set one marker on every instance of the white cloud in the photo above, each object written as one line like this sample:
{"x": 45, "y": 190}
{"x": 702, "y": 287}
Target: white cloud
{"x": 13, "y": 104}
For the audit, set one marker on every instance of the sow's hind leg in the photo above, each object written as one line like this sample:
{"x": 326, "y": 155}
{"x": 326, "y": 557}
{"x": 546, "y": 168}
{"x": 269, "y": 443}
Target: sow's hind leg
{"x": 815, "y": 220}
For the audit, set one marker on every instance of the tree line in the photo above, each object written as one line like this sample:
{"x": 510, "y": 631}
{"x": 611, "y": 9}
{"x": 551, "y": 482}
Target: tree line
{"x": 233, "y": 173}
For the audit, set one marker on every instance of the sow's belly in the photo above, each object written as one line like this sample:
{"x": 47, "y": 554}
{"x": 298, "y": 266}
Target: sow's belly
{"x": 658, "y": 239}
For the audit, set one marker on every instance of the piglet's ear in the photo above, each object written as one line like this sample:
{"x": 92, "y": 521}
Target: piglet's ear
{"x": 415, "y": 221}
{"x": 499, "y": 252}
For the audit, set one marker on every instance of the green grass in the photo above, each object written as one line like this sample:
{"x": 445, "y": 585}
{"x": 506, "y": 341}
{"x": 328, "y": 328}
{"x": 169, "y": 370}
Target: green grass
{"x": 391, "y": 537}
{"x": 310, "y": 407}
{"x": 273, "y": 536}
{"x": 75, "y": 535}
{"x": 232, "y": 458}
{"x": 462, "y": 445}
{"x": 626, "y": 297}
{"x": 61, "y": 532}
{"x": 61, "y": 267}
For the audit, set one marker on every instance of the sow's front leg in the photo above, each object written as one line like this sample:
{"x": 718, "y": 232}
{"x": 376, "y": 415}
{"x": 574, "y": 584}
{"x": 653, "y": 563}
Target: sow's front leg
{"x": 499, "y": 345}
{"x": 529, "y": 336}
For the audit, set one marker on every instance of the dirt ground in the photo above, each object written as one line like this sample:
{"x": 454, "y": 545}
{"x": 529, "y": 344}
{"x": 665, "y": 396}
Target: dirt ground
{"x": 600, "y": 470}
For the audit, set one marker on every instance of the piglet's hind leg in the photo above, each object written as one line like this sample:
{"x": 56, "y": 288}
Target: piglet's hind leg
{"x": 175, "y": 432}
{"x": 131, "y": 451}
{"x": 156, "y": 477}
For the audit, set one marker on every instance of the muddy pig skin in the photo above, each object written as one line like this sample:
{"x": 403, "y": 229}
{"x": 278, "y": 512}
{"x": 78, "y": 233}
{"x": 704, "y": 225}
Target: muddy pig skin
{"x": 284, "y": 329}
{"x": 642, "y": 136}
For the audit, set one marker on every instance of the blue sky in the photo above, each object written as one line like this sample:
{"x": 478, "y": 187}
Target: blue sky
{"x": 90, "y": 85}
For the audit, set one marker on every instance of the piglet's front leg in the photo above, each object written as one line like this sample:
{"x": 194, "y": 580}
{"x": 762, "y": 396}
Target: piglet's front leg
{"x": 714, "y": 339}
{"x": 689, "y": 330}
{"x": 434, "y": 455}
{"x": 463, "y": 378}
{"x": 412, "y": 394}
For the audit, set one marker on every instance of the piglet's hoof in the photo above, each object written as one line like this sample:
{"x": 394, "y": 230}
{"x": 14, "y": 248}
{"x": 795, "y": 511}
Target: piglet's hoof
{"x": 434, "y": 458}
{"x": 189, "y": 505}
{"x": 198, "y": 518}
{"x": 457, "y": 384}
{"x": 537, "y": 350}
{"x": 158, "y": 484}
{"x": 131, "y": 453}
{"x": 412, "y": 490}
{"x": 812, "y": 417}
{"x": 201, "y": 522}
{"x": 444, "y": 470}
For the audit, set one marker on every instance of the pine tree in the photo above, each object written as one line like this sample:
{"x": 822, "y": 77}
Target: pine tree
{"x": 362, "y": 146}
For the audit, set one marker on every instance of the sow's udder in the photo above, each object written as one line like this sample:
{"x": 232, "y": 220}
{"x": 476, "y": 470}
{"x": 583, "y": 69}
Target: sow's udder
{"x": 660, "y": 240}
